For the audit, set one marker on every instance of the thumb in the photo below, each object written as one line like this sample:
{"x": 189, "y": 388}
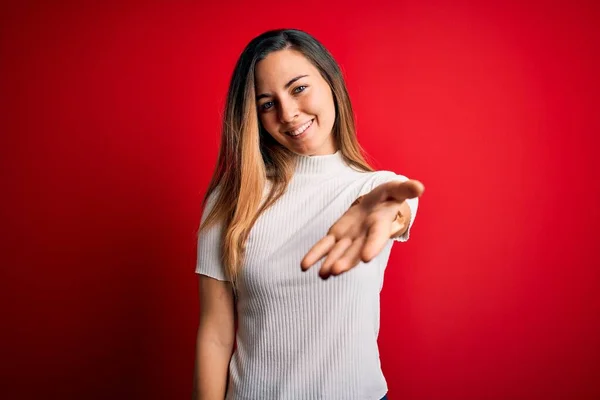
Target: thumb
{"x": 407, "y": 190}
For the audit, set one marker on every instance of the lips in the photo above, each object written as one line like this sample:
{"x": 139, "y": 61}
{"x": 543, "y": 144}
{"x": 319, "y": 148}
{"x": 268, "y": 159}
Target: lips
{"x": 300, "y": 129}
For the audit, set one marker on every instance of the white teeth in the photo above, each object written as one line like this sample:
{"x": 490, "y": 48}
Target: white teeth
{"x": 301, "y": 129}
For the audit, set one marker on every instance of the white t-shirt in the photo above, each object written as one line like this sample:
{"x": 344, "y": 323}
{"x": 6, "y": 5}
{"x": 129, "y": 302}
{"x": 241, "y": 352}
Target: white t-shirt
{"x": 300, "y": 337}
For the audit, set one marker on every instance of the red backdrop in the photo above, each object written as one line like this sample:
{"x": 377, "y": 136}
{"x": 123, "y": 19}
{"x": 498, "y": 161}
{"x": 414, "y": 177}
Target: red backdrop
{"x": 110, "y": 124}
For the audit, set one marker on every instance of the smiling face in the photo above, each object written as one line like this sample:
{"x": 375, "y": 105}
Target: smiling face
{"x": 295, "y": 104}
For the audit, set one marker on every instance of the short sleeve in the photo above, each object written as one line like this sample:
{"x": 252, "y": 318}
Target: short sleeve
{"x": 208, "y": 260}
{"x": 381, "y": 177}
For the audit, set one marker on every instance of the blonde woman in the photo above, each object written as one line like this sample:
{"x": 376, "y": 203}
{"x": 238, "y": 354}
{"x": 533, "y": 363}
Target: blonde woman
{"x": 296, "y": 233}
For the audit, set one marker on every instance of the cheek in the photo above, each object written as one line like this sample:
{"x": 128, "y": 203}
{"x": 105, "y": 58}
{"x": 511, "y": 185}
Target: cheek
{"x": 331, "y": 107}
{"x": 320, "y": 102}
{"x": 326, "y": 107}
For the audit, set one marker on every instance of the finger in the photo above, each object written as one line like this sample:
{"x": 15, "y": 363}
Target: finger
{"x": 334, "y": 254}
{"x": 350, "y": 259}
{"x": 377, "y": 237}
{"x": 317, "y": 252}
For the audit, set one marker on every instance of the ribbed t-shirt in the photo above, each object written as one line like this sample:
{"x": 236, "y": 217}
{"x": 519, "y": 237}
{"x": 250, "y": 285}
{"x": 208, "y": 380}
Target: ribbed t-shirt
{"x": 300, "y": 337}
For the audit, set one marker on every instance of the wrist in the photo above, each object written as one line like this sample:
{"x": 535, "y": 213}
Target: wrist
{"x": 402, "y": 221}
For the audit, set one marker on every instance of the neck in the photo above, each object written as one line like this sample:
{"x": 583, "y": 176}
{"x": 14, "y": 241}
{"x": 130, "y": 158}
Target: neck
{"x": 324, "y": 164}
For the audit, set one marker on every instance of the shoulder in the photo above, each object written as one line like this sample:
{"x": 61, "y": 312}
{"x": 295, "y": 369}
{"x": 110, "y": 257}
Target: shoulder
{"x": 210, "y": 200}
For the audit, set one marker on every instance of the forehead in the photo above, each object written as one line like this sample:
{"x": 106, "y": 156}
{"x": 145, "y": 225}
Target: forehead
{"x": 280, "y": 67}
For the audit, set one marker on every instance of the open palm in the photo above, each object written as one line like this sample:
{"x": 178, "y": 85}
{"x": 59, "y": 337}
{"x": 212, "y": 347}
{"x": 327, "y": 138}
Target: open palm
{"x": 362, "y": 232}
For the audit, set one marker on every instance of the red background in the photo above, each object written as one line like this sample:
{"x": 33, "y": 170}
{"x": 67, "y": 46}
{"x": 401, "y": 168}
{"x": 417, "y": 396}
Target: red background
{"x": 110, "y": 123}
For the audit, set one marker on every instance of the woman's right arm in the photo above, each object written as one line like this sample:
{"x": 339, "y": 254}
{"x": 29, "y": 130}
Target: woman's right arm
{"x": 215, "y": 339}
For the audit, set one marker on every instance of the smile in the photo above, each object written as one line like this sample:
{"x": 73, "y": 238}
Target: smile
{"x": 300, "y": 130}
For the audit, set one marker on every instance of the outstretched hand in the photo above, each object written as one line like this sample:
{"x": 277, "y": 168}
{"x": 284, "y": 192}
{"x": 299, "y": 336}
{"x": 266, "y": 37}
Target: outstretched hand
{"x": 362, "y": 232}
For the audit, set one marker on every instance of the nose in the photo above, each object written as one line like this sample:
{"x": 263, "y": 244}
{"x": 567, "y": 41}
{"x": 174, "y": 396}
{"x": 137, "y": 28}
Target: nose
{"x": 288, "y": 111}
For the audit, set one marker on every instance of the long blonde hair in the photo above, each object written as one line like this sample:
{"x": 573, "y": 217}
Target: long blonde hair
{"x": 249, "y": 156}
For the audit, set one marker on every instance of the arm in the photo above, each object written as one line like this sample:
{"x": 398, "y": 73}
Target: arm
{"x": 215, "y": 339}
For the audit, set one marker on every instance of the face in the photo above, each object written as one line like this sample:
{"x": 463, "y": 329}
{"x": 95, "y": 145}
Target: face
{"x": 295, "y": 104}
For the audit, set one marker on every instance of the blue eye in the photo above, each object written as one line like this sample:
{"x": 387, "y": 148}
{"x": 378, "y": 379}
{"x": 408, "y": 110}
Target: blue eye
{"x": 266, "y": 105}
{"x": 299, "y": 89}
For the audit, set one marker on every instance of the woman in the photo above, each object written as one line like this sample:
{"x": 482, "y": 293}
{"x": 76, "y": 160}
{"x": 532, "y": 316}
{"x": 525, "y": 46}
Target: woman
{"x": 291, "y": 203}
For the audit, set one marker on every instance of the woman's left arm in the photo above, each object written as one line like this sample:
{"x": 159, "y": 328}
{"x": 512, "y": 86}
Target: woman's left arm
{"x": 362, "y": 232}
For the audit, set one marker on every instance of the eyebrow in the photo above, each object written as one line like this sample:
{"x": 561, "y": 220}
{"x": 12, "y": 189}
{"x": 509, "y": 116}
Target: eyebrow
{"x": 287, "y": 85}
